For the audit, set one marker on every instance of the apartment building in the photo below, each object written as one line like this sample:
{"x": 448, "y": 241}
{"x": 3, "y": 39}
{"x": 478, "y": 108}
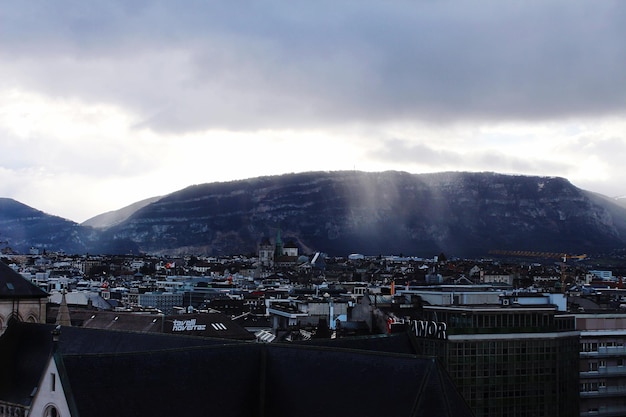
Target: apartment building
{"x": 602, "y": 364}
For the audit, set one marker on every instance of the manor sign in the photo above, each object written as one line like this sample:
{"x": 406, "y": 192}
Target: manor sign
{"x": 430, "y": 329}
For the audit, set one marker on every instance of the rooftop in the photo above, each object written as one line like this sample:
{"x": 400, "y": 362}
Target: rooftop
{"x": 13, "y": 285}
{"x": 134, "y": 374}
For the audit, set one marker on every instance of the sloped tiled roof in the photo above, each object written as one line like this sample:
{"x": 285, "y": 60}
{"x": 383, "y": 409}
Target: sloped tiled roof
{"x": 223, "y": 381}
{"x": 26, "y": 347}
{"x": 14, "y": 286}
{"x": 340, "y": 382}
{"x": 216, "y": 325}
{"x": 124, "y": 321}
{"x": 394, "y": 343}
{"x": 260, "y": 380}
{"x": 136, "y": 374}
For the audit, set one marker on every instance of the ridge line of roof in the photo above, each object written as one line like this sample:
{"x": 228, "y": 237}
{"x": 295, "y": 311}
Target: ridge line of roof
{"x": 420, "y": 392}
{"x": 158, "y": 351}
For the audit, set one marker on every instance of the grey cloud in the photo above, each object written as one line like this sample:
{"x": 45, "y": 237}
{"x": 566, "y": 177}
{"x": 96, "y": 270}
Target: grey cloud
{"x": 422, "y": 155}
{"x": 611, "y": 150}
{"x": 396, "y": 150}
{"x": 250, "y": 65}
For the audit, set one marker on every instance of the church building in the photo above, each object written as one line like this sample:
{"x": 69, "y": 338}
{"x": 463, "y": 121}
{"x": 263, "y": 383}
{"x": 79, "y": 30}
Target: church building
{"x": 20, "y": 299}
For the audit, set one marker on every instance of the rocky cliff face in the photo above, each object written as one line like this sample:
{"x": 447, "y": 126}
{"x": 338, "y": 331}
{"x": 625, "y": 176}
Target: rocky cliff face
{"x": 461, "y": 214}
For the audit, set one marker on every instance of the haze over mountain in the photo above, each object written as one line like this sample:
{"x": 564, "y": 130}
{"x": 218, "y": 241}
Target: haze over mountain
{"x": 111, "y": 218}
{"x": 460, "y": 214}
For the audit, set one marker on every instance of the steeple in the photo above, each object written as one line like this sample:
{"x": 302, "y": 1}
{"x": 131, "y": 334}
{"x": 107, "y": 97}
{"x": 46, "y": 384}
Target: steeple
{"x": 63, "y": 316}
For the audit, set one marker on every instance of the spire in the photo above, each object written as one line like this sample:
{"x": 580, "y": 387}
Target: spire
{"x": 63, "y": 316}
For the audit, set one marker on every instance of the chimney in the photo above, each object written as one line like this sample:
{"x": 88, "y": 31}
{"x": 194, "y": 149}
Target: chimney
{"x": 56, "y": 335}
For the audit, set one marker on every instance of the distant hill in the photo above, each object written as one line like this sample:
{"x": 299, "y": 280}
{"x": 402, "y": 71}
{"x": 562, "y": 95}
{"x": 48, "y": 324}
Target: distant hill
{"x": 22, "y": 226}
{"x": 462, "y": 214}
{"x": 459, "y": 214}
{"x": 111, "y": 218}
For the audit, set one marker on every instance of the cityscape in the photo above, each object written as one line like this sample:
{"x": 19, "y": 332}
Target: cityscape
{"x": 312, "y": 209}
{"x": 516, "y": 334}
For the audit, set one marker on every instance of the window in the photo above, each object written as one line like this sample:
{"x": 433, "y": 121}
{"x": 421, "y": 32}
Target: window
{"x": 51, "y": 411}
{"x": 590, "y": 347}
{"x": 593, "y": 366}
{"x": 588, "y": 387}
{"x": 53, "y": 382}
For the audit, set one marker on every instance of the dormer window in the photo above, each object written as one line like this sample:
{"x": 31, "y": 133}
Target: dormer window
{"x": 51, "y": 411}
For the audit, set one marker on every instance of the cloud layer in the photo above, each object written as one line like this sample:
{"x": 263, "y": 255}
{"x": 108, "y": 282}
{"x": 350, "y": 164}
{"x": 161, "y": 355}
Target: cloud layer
{"x": 96, "y": 90}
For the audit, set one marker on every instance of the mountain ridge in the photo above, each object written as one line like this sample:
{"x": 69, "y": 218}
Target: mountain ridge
{"x": 377, "y": 212}
{"x": 340, "y": 212}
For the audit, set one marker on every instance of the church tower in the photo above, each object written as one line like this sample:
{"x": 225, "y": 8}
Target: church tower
{"x": 266, "y": 253}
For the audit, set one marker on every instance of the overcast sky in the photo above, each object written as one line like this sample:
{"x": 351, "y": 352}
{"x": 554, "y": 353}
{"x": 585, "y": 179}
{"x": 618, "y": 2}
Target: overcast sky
{"x": 104, "y": 103}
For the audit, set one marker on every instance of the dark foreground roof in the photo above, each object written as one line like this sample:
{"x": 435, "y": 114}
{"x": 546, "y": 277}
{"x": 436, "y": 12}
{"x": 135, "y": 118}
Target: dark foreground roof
{"x": 193, "y": 377}
{"x": 25, "y": 349}
{"x": 13, "y": 285}
{"x": 393, "y": 343}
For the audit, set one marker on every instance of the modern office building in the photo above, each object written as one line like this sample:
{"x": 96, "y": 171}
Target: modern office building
{"x": 164, "y": 301}
{"x": 506, "y": 360}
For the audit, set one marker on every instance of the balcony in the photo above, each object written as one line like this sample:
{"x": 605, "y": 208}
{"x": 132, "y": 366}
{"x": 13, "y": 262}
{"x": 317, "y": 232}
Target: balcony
{"x": 605, "y": 352}
{"x": 606, "y": 372}
{"x": 604, "y": 392}
{"x": 605, "y": 412}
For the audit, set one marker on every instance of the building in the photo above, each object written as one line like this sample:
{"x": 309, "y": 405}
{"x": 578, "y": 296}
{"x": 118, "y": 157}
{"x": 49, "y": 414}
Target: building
{"x": 266, "y": 253}
{"x": 71, "y": 372}
{"x": 20, "y": 299}
{"x": 602, "y": 275}
{"x": 602, "y": 364}
{"x": 290, "y": 249}
{"x": 163, "y": 301}
{"x": 506, "y": 360}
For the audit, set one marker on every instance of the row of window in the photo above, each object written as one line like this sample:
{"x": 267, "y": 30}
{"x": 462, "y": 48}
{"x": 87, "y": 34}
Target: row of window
{"x": 520, "y": 403}
{"x": 523, "y": 374}
{"x": 499, "y": 320}
{"x": 595, "y": 365}
{"x": 594, "y": 346}
{"x": 507, "y": 348}
{"x": 592, "y": 386}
